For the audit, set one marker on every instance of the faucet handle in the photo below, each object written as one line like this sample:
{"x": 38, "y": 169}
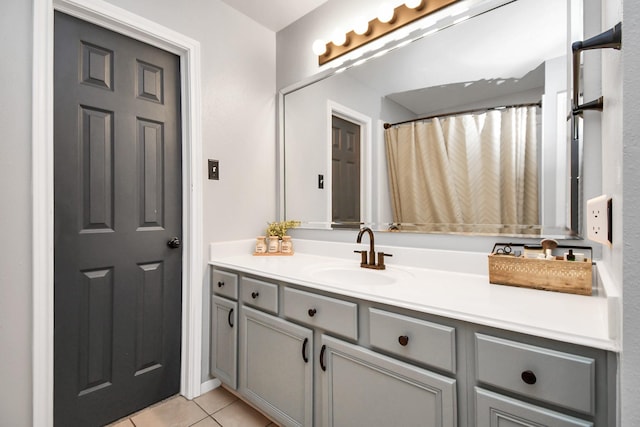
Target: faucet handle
{"x": 381, "y": 256}
{"x": 363, "y": 257}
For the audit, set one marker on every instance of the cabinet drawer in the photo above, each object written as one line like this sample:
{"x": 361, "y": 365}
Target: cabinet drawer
{"x": 563, "y": 379}
{"x": 494, "y": 410}
{"x": 225, "y": 284}
{"x": 414, "y": 339}
{"x": 259, "y": 294}
{"x": 330, "y": 314}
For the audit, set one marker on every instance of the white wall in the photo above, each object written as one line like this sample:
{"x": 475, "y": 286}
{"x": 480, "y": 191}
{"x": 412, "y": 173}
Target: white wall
{"x": 238, "y": 125}
{"x": 15, "y": 213}
{"x": 624, "y": 169}
{"x": 238, "y": 100}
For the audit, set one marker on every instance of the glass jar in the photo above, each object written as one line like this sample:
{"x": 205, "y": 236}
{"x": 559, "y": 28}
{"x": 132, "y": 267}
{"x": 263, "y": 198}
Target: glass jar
{"x": 261, "y": 244}
{"x": 274, "y": 244}
{"x": 286, "y": 245}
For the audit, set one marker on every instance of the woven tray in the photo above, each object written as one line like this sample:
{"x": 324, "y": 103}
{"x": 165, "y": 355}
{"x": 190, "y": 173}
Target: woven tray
{"x": 574, "y": 277}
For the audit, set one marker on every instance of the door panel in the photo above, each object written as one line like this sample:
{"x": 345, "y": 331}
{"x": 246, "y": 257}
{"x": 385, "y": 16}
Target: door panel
{"x": 117, "y": 201}
{"x": 345, "y": 173}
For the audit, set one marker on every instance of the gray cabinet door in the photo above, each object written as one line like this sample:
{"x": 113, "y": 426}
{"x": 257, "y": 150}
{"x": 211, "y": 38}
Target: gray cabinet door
{"x": 363, "y": 388}
{"x": 496, "y": 410}
{"x": 276, "y": 367}
{"x": 224, "y": 340}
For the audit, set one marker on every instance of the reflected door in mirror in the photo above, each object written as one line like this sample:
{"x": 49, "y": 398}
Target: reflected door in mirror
{"x": 345, "y": 173}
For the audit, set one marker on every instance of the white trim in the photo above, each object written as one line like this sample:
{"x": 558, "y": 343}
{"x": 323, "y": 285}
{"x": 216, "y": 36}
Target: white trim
{"x": 209, "y": 385}
{"x": 124, "y": 22}
{"x": 366, "y": 148}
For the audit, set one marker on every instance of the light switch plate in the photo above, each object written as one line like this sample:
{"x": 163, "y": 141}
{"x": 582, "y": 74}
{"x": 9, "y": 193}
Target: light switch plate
{"x": 214, "y": 169}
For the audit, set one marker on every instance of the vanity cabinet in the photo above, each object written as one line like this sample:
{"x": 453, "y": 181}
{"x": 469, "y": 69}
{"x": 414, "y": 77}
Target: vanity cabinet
{"x": 309, "y": 357}
{"x": 361, "y": 387}
{"x": 224, "y": 330}
{"x": 276, "y": 367}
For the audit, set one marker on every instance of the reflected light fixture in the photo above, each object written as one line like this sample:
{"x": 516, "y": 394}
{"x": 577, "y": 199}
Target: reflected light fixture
{"x": 388, "y": 20}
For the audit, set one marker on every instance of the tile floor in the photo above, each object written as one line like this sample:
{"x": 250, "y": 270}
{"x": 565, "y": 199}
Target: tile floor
{"x": 213, "y": 409}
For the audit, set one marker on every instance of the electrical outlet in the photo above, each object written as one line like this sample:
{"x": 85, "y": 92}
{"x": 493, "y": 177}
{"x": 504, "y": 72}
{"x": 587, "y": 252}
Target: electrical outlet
{"x": 599, "y": 220}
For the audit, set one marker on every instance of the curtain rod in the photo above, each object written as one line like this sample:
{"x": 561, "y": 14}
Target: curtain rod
{"x": 477, "y": 110}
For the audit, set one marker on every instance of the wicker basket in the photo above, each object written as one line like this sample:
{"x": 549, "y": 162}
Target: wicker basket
{"x": 558, "y": 275}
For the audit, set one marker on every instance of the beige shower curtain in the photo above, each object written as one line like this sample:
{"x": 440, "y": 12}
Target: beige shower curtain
{"x": 472, "y": 172}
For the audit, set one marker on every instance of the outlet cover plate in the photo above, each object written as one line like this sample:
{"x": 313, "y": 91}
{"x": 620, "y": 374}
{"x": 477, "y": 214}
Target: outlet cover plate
{"x": 599, "y": 220}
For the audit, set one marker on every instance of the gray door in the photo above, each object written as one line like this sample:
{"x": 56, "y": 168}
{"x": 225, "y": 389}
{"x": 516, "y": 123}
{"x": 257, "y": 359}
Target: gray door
{"x": 117, "y": 198}
{"x": 345, "y": 173}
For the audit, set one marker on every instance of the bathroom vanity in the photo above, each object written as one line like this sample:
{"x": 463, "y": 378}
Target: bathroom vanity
{"x": 314, "y": 339}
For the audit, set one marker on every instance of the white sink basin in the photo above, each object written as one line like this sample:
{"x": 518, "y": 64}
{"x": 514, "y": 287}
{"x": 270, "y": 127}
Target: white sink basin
{"x": 354, "y": 275}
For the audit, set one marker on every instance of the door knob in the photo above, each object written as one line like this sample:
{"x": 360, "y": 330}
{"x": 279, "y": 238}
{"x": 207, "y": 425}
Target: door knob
{"x": 174, "y": 243}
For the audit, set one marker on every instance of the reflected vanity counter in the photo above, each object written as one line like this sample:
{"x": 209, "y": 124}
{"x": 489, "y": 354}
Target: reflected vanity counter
{"x": 443, "y": 283}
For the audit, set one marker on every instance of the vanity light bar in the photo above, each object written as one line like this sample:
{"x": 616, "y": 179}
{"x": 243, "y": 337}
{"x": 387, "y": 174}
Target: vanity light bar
{"x": 402, "y": 16}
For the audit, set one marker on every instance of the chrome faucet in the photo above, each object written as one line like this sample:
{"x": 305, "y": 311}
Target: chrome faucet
{"x": 370, "y": 261}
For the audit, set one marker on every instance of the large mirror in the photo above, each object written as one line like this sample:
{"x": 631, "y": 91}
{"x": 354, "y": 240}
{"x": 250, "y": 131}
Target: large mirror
{"x": 501, "y": 71}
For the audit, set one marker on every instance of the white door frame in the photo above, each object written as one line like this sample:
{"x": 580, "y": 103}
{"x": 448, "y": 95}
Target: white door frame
{"x": 136, "y": 27}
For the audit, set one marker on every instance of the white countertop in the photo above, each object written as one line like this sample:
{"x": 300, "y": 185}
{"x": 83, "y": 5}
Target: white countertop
{"x": 444, "y": 283}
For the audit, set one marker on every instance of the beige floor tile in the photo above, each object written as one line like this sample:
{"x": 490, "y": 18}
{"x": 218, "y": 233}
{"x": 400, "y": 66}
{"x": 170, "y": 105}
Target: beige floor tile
{"x": 207, "y": 422}
{"x": 239, "y": 414}
{"x": 122, "y": 423}
{"x": 176, "y": 412}
{"x": 215, "y": 400}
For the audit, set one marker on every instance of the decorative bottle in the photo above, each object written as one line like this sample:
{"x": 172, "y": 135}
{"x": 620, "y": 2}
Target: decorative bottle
{"x": 286, "y": 245}
{"x": 274, "y": 244}
{"x": 261, "y": 245}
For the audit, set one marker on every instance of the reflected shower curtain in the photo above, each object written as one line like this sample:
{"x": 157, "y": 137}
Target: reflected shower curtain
{"x": 457, "y": 172}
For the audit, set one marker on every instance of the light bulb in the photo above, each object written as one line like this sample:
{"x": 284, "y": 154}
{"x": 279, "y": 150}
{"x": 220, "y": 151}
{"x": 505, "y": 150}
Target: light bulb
{"x": 413, "y": 4}
{"x": 339, "y": 38}
{"x": 385, "y": 13}
{"x": 319, "y": 47}
{"x": 361, "y": 26}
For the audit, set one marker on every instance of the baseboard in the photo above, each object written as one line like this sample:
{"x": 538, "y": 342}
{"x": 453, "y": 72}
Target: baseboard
{"x": 209, "y": 385}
